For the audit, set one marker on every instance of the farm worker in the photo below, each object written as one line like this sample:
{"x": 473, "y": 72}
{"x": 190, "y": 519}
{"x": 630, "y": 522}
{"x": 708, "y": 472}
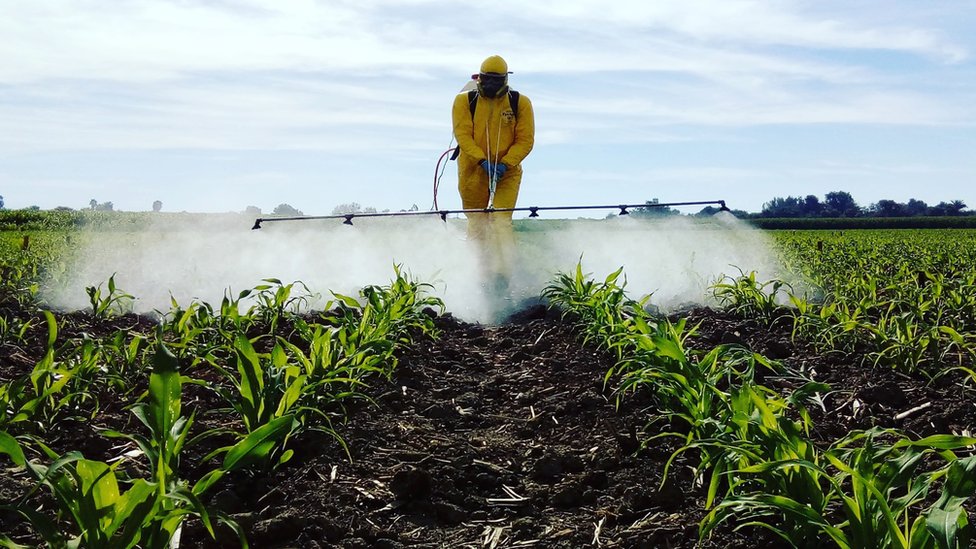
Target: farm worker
{"x": 495, "y": 130}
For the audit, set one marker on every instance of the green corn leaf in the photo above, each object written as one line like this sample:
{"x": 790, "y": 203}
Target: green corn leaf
{"x": 258, "y": 444}
{"x": 942, "y": 442}
{"x": 251, "y": 380}
{"x": 293, "y": 393}
{"x": 346, "y": 300}
{"x": 52, "y": 328}
{"x": 9, "y": 543}
{"x": 131, "y": 511}
{"x": 717, "y": 473}
{"x": 955, "y": 336}
{"x": 197, "y": 506}
{"x": 164, "y": 390}
{"x": 669, "y": 348}
{"x": 99, "y": 483}
{"x": 612, "y": 277}
{"x": 208, "y": 480}
{"x": 947, "y": 520}
{"x": 10, "y": 446}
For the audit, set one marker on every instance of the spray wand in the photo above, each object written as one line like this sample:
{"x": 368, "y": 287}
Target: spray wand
{"x": 492, "y": 186}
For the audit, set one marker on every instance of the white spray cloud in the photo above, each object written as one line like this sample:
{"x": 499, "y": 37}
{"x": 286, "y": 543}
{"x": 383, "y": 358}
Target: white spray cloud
{"x": 676, "y": 259}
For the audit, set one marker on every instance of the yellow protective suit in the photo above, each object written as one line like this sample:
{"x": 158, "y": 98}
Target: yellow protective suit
{"x": 497, "y": 135}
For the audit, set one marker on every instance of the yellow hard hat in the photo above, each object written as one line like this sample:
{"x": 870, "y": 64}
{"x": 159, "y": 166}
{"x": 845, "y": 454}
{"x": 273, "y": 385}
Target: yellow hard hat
{"x": 494, "y": 64}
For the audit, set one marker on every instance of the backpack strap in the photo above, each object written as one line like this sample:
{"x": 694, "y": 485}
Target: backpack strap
{"x": 472, "y": 101}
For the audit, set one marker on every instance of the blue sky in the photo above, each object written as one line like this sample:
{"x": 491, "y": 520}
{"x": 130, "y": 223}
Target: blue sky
{"x": 213, "y": 106}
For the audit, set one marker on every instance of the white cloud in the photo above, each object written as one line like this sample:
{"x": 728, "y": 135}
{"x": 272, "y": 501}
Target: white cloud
{"x": 373, "y": 79}
{"x": 753, "y": 22}
{"x": 152, "y": 39}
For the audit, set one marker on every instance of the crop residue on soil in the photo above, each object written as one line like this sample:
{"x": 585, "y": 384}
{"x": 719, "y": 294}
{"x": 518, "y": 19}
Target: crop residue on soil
{"x": 504, "y": 436}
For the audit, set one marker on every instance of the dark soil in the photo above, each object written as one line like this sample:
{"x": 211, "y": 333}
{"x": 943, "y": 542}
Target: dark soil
{"x": 504, "y": 436}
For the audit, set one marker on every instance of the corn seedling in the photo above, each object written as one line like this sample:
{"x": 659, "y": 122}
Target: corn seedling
{"x": 872, "y": 494}
{"x": 89, "y": 499}
{"x": 162, "y": 416}
{"x": 51, "y": 391}
{"x": 196, "y": 333}
{"x": 275, "y": 301}
{"x": 602, "y": 310}
{"x": 905, "y": 301}
{"x": 745, "y": 296}
{"x": 264, "y": 390}
{"x": 13, "y": 329}
{"x": 402, "y": 305}
{"x": 110, "y": 303}
{"x": 20, "y": 280}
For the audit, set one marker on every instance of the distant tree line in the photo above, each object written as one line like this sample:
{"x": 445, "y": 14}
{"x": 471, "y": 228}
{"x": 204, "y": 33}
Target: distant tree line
{"x": 653, "y": 208}
{"x": 852, "y": 223}
{"x": 837, "y": 204}
{"x": 842, "y": 204}
{"x": 97, "y": 206}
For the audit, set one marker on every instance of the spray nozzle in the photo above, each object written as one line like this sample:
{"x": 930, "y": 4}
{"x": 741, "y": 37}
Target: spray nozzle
{"x": 348, "y": 220}
{"x": 257, "y": 224}
{"x": 724, "y": 208}
{"x": 534, "y": 211}
{"x": 623, "y": 210}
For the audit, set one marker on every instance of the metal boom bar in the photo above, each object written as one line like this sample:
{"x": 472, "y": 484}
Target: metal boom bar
{"x": 533, "y": 211}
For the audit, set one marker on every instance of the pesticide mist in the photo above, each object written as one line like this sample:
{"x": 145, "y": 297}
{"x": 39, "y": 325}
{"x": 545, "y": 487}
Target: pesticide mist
{"x": 675, "y": 260}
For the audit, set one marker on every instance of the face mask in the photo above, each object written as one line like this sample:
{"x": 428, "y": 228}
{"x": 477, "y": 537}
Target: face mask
{"x": 491, "y": 85}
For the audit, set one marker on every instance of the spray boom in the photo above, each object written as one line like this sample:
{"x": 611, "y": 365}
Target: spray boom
{"x": 533, "y": 211}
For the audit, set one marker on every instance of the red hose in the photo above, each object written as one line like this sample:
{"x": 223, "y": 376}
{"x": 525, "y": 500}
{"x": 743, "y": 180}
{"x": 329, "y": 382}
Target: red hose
{"x": 437, "y": 170}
